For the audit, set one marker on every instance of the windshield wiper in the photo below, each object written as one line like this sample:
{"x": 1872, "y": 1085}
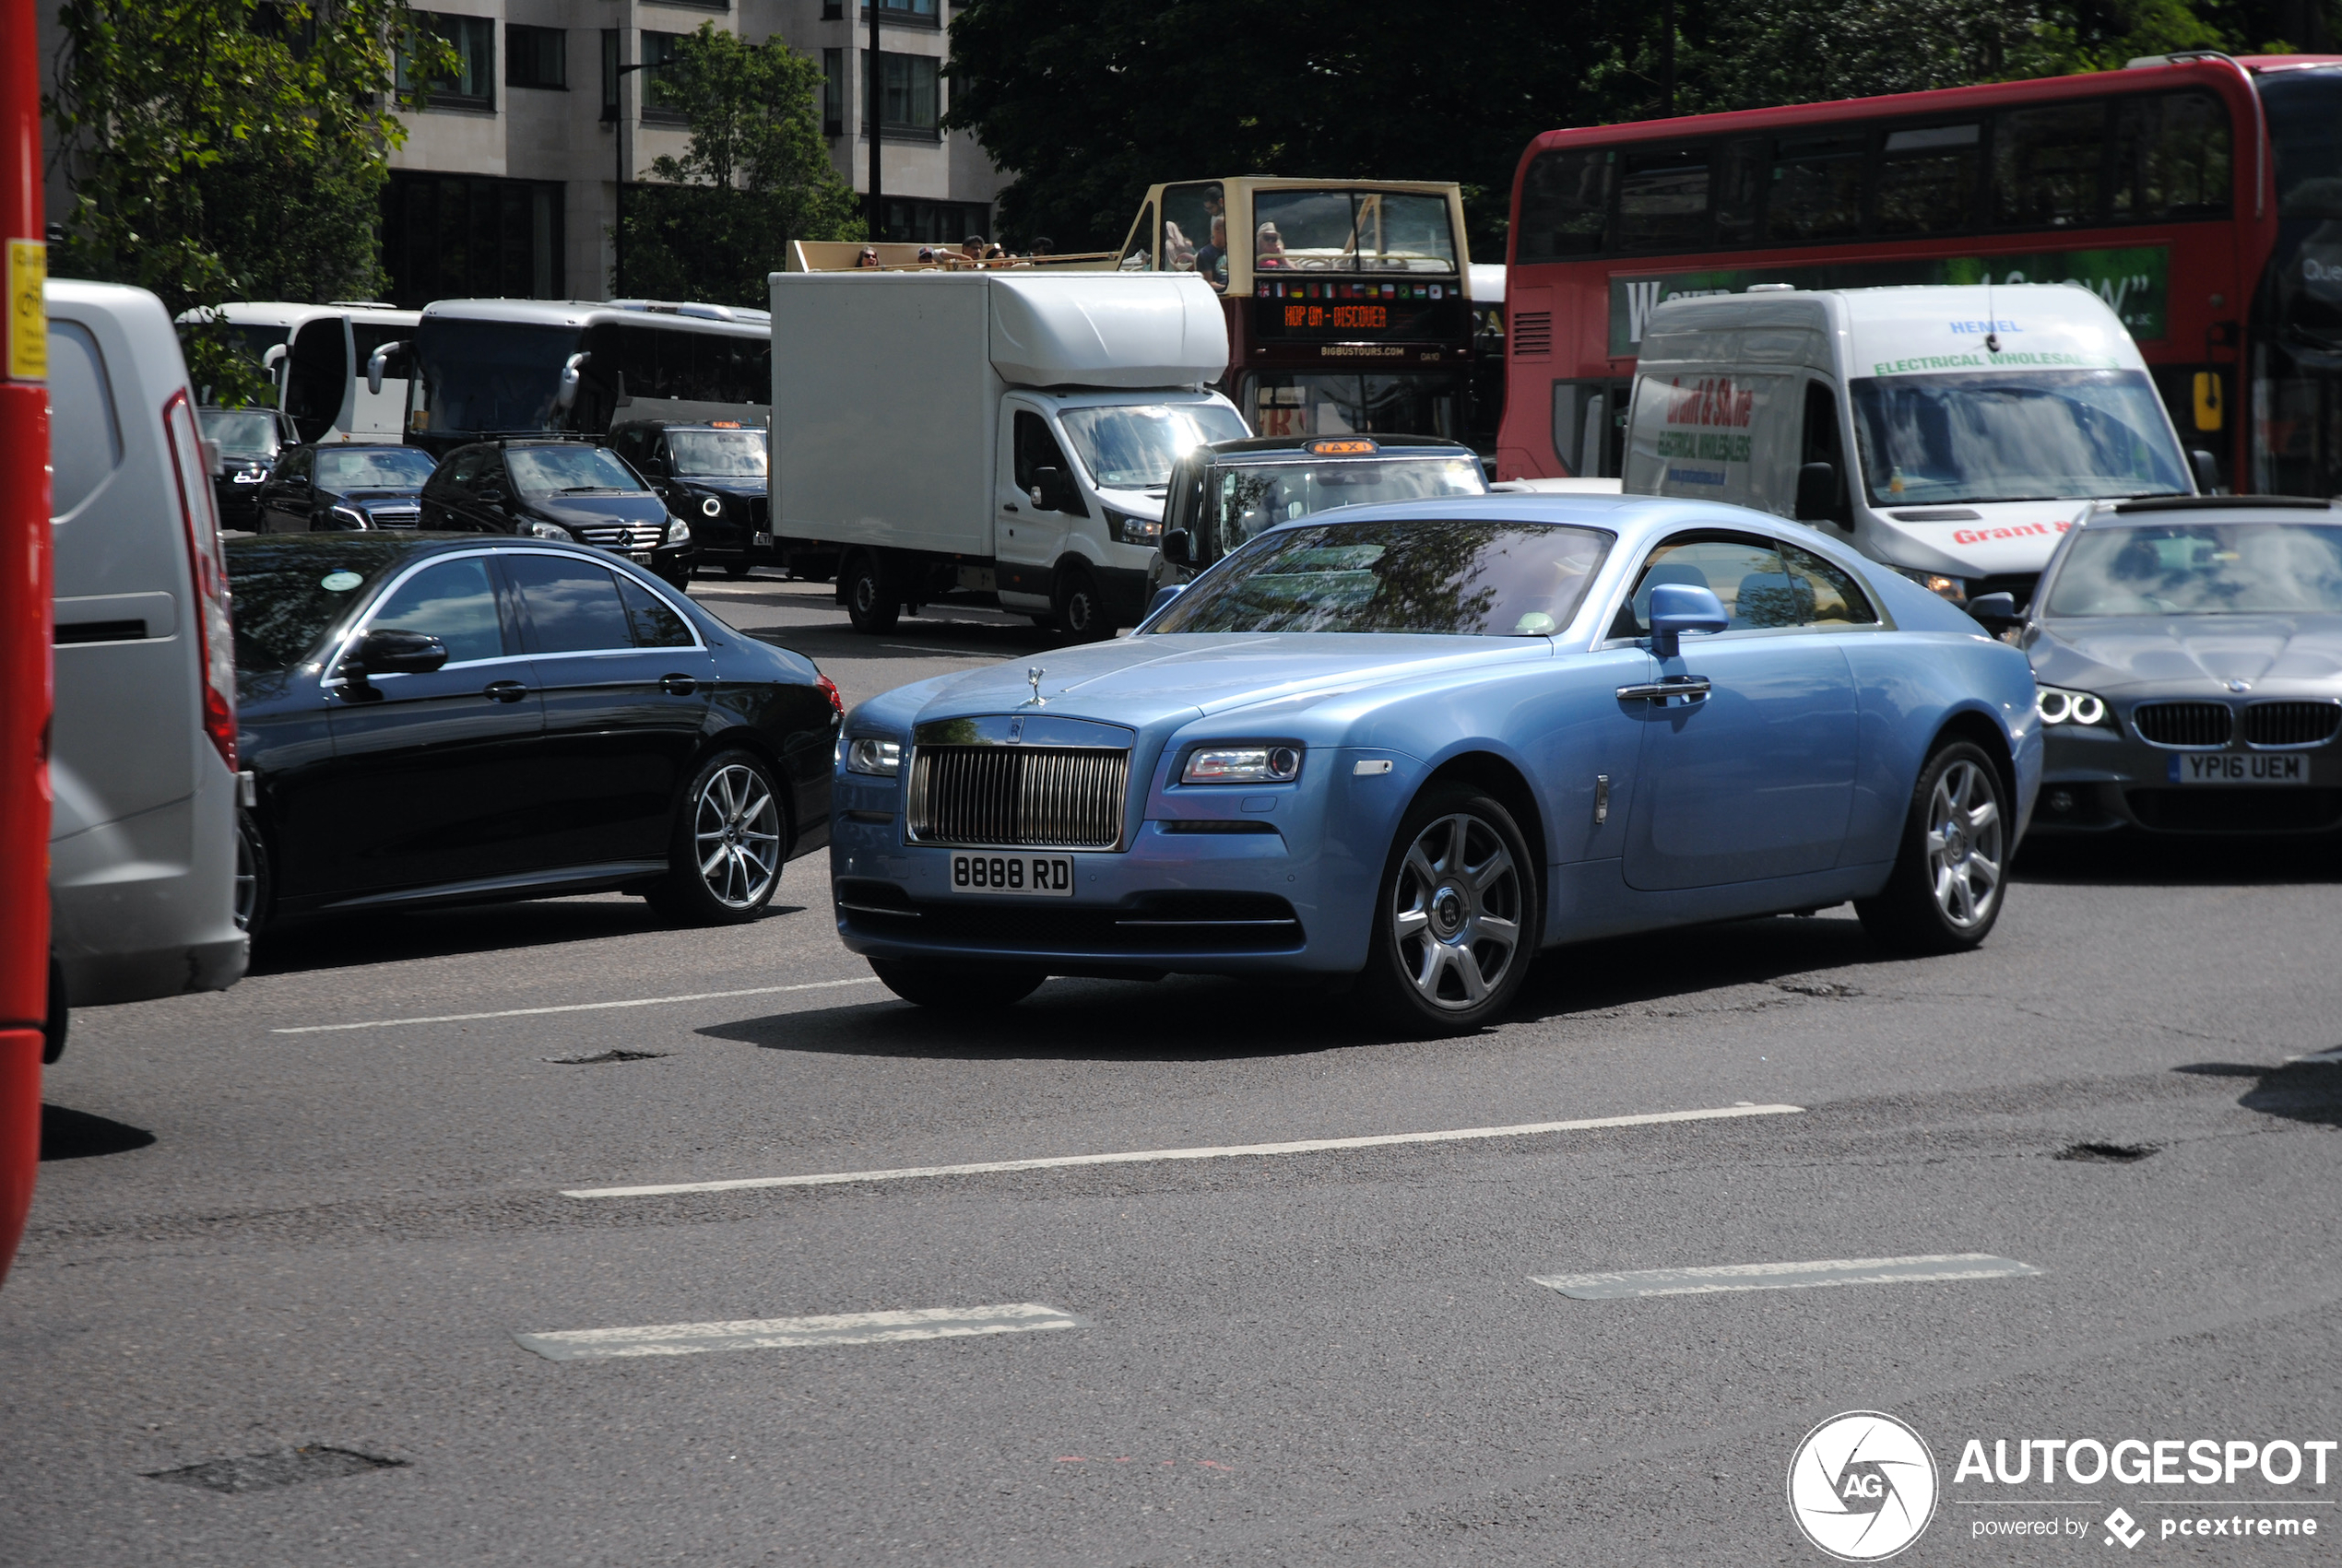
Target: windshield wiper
{"x": 592, "y": 489}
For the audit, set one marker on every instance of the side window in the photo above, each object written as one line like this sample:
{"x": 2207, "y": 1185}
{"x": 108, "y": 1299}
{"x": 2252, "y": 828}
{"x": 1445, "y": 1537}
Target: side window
{"x": 296, "y": 464}
{"x": 1820, "y": 443}
{"x": 573, "y": 605}
{"x": 491, "y": 474}
{"x": 1036, "y": 449}
{"x": 452, "y": 601}
{"x": 1744, "y": 572}
{"x": 1195, "y": 231}
{"x": 1830, "y": 594}
{"x": 455, "y": 476}
{"x": 80, "y": 400}
{"x": 653, "y": 620}
{"x": 1138, "y": 254}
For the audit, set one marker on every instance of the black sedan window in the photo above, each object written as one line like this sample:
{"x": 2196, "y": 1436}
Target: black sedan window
{"x": 452, "y": 601}
{"x": 573, "y": 605}
{"x": 654, "y": 622}
{"x": 286, "y": 591}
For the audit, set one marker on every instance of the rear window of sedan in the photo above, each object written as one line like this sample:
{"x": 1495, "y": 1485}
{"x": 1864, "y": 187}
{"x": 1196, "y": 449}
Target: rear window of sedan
{"x": 285, "y": 593}
{"x": 1467, "y": 578}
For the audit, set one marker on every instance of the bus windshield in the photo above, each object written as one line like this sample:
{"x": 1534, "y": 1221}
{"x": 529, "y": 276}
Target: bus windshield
{"x": 483, "y": 377}
{"x": 1351, "y": 232}
{"x": 1988, "y": 436}
{"x": 1245, "y": 500}
{"x": 1132, "y": 448}
{"x": 719, "y": 454}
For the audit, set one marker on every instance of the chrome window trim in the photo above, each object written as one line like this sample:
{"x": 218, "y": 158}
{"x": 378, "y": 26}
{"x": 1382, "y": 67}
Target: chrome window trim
{"x": 366, "y": 622}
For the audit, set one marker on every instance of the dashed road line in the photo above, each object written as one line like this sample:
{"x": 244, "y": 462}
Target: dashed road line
{"x": 1784, "y": 1275}
{"x": 1150, "y": 1156}
{"x": 796, "y": 1333}
{"x": 579, "y": 1006}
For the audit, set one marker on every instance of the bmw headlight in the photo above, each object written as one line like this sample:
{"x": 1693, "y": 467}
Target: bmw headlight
{"x": 2060, "y": 706}
{"x": 711, "y": 507}
{"x": 348, "y": 517}
{"x": 536, "y": 529}
{"x": 1242, "y": 764}
{"x": 678, "y": 531}
{"x": 868, "y": 754}
{"x": 1124, "y": 528}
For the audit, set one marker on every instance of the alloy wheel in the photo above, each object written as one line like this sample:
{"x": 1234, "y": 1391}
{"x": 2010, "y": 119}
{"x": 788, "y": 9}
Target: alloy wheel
{"x": 247, "y": 886}
{"x": 1964, "y": 843}
{"x": 736, "y": 835}
{"x": 1455, "y": 912}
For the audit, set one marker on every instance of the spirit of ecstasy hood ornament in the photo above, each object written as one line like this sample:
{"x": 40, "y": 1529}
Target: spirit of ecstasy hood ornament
{"x": 1033, "y": 676}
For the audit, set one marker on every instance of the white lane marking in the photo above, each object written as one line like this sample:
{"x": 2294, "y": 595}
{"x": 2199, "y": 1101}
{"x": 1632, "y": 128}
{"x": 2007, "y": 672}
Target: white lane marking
{"x": 794, "y": 1333}
{"x": 581, "y": 1007}
{"x": 1784, "y": 1275}
{"x": 1148, "y": 1156}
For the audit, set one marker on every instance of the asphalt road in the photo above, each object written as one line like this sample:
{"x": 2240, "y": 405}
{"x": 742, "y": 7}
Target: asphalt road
{"x": 266, "y": 1231}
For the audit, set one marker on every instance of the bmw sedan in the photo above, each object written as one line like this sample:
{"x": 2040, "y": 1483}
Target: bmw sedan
{"x": 2189, "y": 655}
{"x": 1401, "y": 748}
{"x": 435, "y": 719}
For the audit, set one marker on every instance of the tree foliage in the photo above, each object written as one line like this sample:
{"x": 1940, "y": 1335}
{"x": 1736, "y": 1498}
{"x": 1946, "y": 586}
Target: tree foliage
{"x": 756, "y": 175}
{"x": 228, "y": 150}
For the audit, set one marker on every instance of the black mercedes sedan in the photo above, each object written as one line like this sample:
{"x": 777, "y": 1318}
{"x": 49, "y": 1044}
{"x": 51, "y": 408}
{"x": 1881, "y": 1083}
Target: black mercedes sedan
{"x": 435, "y": 719}
{"x": 552, "y": 487}
{"x": 342, "y": 486}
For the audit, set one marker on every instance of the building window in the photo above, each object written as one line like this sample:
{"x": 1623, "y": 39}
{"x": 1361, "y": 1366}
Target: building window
{"x": 536, "y": 58}
{"x": 933, "y": 223}
{"x": 910, "y": 96}
{"x": 473, "y": 83}
{"x": 659, "y": 48}
{"x": 609, "y": 73}
{"x": 832, "y": 11}
{"x": 458, "y": 236}
{"x": 833, "y": 93}
{"x": 905, "y": 13}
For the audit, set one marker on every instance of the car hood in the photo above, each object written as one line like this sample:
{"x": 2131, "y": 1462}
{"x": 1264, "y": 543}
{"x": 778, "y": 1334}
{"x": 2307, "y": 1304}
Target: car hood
{"x": 591, "y": 509}
{"x": 2188, "y": 653}
{"x": 722, "y": 484}
{"x": 1148, "y": 681}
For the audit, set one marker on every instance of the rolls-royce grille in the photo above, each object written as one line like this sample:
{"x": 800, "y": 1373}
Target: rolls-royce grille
{"x": 2182, "y": 724}
{"x": 1047, "y": 796}
{"x": 620, "y": 535}
{"x": 2291, "y": 724}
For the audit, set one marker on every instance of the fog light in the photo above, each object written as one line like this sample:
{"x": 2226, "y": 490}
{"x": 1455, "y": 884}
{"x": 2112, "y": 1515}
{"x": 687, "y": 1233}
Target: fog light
{"x": 2061, "y": 801}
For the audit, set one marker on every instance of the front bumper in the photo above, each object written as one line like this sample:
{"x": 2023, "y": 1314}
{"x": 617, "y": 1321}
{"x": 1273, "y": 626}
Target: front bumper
{"x": 2096, "y": 780}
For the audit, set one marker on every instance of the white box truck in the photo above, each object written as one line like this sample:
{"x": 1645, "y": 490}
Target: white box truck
{"x": 1008, "y": 433}
{"x": 1953, "y": 432}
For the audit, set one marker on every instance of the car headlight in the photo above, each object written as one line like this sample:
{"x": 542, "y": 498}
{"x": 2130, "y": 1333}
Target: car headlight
{"x": 348, "y": 517}
{"x": 868, "y": 754}
{"x": 711, "y": 507}
{"x": 678, "y": 531}
{"x": 1935, "y": 582}
{"x": 251, "y": 474}
{"x": 2060, "y": 706}
{"x": 1123, "y": 528}
{"x": 1242, "y": 764}
{"x": 536, "y": 529}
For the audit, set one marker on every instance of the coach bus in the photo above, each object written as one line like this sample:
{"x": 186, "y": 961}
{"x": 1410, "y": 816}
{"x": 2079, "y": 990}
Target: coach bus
{"x": 524, "y": 367}
{"x": 1349, "y": 301}
{"x": 2200, "y": 196}
{"x": 317, "y": 356}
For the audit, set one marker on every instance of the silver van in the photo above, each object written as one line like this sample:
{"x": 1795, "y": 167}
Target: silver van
{"x": 142, "y": 838}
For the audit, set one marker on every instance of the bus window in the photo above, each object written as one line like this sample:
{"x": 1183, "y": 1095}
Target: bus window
{"x": 1740, "y": 193}
{"x": 1565, "y": 205}
{"x": 1304, "y": 402}
{"x": 1191, "y": 214}
{"x": 1351, "y": 232}
{"x": 1927, "y": 179}
{"x": 2171, "y": 157}
{"x": 2305, "y": 127}
{"x": 1662, "y": 199}
{"x": 1138, "y": 250}
{"x": 2045, "y": 165}
{"x": 1817, "y": 186}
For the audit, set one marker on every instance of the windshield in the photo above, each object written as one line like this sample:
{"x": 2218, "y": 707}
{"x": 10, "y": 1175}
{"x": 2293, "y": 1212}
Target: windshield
{"x": 719, "y": 454}
{"x": 557, "y": 470}
{"x": 1132, "y": 448}
{"x": 287, "y": 592}
{"x": 1471, "y": 579}
{"x": 1984, "y": 436}
{"x": 372, "y": 468}
{"x": 1242, "y": 501}
{"x": 1290, "y": 403}
{"x": 2202, "y": 569}
{"x": 490, "y": 375}
{"x": 240, "y": 431}
{"x": 1351, "y": 232}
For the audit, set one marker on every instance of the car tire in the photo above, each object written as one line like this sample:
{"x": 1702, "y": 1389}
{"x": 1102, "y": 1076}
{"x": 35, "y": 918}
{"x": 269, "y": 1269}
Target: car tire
{"x": 1945, "y": 894}
{"x": 730, "y": 840}
{"x": 680, "y": 579}
{"x": 735, "y": 569}
{"x": 1082, "y": 612}
{"x": 1455, "y": 919}
{"x": 944, "y": 985}
{"x": 870, "y": 601}
{"x": 256, "y": 882}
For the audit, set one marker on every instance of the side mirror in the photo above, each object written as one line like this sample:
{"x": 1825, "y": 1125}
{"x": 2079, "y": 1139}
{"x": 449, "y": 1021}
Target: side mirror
{"x": 393, "y": 650}
{"x": 566, "y": 398}
{"x": 272, "y": 362}
{"x": 1994, "y": 612}
{"x": 1679, "y": 608}
{"x": 491, "y": 497}
{"x": 2208, "y": 471}
{"x": 1177, "y": 550}
{"x": 1052, "y": 491}
{"x": 1163, "y": 597}
{"x": 1817, "y": 492}
{"x": 376, "y": 364}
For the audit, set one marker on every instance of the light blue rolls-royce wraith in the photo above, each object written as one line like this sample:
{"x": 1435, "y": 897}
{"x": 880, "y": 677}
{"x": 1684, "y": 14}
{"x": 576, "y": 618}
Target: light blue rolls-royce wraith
{"x": 1402, "y": 748}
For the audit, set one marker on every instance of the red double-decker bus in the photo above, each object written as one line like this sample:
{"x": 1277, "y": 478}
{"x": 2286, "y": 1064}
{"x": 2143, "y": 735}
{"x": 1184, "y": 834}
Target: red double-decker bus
{"x": 2199, "y": 196}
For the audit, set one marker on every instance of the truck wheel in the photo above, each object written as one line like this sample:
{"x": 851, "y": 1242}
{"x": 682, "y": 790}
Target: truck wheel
{"x": 870, "y": 604}
{"x": 1082, "y": 612}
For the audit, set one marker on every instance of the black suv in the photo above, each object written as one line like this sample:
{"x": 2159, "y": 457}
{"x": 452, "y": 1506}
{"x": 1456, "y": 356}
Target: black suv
{"x": 713, "y": 474}
{"x": 550, "y": 487}
{"x": 252, "y": 442}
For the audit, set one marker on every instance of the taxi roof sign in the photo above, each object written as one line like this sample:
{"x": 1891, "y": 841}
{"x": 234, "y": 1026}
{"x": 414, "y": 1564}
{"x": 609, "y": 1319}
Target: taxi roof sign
{"x": 1353, "y": 446}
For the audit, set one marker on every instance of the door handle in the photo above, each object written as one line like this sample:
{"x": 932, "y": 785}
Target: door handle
{"x": 678, "y": 685}
{"x": 1690, "y": 688}
{"x": 1007, "y": 506}
{"x": 505, "y": 691}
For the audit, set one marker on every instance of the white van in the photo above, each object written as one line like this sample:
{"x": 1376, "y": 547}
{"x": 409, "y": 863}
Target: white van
{"x": 142, "y": 835}
{"x": 340, "y": 369}
{"x": 1981, "y": 421}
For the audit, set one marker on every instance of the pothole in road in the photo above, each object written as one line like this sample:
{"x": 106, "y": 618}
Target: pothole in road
{"x": 283, "y": 1466}
{"x": 2106, "y": 1153}
{"x": 613, "y": 1056}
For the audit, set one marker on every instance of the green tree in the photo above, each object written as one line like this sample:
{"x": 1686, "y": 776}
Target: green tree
{"x": 227, "y": 149}
{"x": 756, "y": 175}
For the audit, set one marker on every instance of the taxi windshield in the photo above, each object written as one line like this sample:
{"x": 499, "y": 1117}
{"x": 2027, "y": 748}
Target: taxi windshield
{"x": 566, "y": 470}
{"x": 1989, "y": 435}
{"x": 1131, "y": 447}
{"x": 1242, "y": 501}
{"x": 1452, "y": 577}
{"x": 719, "y": 454}
{"x": 2202, "y": 569}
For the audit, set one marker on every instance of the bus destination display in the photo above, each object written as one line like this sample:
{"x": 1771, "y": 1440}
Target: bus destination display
{"x": 1347, "y": 311}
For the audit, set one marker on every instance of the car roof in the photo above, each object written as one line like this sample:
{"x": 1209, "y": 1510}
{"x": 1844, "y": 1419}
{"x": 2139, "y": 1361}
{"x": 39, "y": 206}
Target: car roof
{"x": 1298, "y": 446}
{"x": 1634, "y": 518}
{"x": 685, "y": 425}
{"x": 2151, "y": 509}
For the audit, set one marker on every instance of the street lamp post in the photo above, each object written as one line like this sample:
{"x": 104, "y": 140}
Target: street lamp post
{"x": 617, "y": 194}
{"x": 878, "y": 95}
